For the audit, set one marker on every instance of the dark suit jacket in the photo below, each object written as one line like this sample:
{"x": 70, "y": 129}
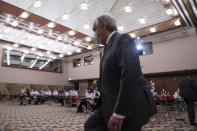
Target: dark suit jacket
{"x": 123, "y": 88}
{"x": 188, "y": 88}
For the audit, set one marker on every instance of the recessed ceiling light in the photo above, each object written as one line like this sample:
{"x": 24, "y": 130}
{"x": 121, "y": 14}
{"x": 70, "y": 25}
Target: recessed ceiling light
{"x": 14, "y": 23}
{"x": 33, "y": 49}
{"x": 69, "y": 53}
{"x": 133, "y": 35}
{"x": 121, "y": 28}
{"x": 9, "y": 48}
{"x": 169, "y": 12}
{"x": 15, "y": 45}
{"x": 7, "y": 19}
{"x": 84, "y": 6}
{"x": 51, "y": 25}
{"x": 61, "y": 55}
{"x": 22, "y": 41}
{"x": 142, "y": 20}
{"x": 152, "y": 29}
{"x": 24, "y": 15}
{"x": 41, "y": 54}
{"x": 86, "y": 26}
{"x": 40, "y": 31}
{"x": 59, "y": 37}
{"x": 177, "y": 22}
{"x": 78, "y": 50}
{"x": 48, "y": 52}
{"x": 127, "y": 9}
{"x": 88, "y": 39}
{"x": 89, "y": 47}
{"x": 65, "y": 16}
{"x": 26, "y": 51}
{"x": 37, "y": 4}
{"x": 71, "y": 32}
{"x": 76, "y": 43}
{"x": 40, "y": 46}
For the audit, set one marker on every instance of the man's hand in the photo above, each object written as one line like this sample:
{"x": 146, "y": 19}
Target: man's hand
{"x": 115, "y": 123}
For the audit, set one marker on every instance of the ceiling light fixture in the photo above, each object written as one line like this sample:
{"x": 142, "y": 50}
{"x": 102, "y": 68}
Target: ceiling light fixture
{"x": 88, "y": 39}
{"x": 9, "y": 48}
{"x": 69, "y": 53}
{"x": 142, "y": 21}
{"x": 71, "y": 32}
{"x": 26, "y": 51}
{"x": 40, "y": 46}
{"x": 24, "y": 15}
{"x": 37, "y": 4}
{"x": 86, "y": 26}
{"x": 7, "y": 19}
{"x": 121, "y": 28}
{"x": 22, "y": 41}
{"x": 33, "y": 49}
{"x": 41, "y": 55}
{"x": 65, "y": 16}
{"x": 133, "y": 35}
{"x": 78, "y": 50}
{"x": 89, "y": 47}
{"x": 152, "y": 29}
{"x": 177, "y": 22}
{"x": 76, "y": 43}
{"x": 127, "y": 9}
{"x": 61, "y": 55}
{"x": 59, "y": 37}
{"x": 48, "y": 52}
{"x": 14, "y": 23}
{"x": 16, "y": 45}
{"x": 51, "y": 25}
{"x": 40, "y": 31}
{"x": 169, "y": 11}
{"x": 84, "y": 6}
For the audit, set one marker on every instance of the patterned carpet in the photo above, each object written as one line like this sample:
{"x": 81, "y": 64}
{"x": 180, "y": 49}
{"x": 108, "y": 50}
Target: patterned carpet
{"x": 56, "y": 118}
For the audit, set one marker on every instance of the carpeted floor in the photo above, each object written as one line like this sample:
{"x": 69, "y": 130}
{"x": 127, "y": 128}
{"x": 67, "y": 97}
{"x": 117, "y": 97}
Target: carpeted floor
{"x": 56, "y": 118}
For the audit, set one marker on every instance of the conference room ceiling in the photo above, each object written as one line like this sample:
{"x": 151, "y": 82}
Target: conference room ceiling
{"x": 136, "y": 17}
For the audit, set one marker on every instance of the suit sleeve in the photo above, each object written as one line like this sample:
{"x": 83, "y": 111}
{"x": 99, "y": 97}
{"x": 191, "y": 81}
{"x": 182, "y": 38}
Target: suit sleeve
{"x": 130, "y": 75}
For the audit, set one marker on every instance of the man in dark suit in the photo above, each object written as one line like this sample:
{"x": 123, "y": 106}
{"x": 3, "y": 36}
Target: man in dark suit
{"x": 188, "y": 90}
{"x": 124, "y": 103}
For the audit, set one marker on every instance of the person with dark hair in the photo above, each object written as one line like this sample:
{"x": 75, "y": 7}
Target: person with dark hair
{"x": 125, "y": 104}
{"x": 188, "y": 90}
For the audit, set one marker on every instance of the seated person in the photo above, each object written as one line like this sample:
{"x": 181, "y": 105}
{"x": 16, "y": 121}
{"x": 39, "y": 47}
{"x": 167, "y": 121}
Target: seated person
{"x": 88, "y": 100}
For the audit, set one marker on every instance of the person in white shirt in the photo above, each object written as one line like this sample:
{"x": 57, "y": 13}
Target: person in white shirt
{"x": 32, "y": 92}
{"x": 55, "y": 93}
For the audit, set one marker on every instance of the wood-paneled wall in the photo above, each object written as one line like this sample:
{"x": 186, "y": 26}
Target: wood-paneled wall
{"x": 169, "y": 81}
